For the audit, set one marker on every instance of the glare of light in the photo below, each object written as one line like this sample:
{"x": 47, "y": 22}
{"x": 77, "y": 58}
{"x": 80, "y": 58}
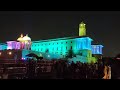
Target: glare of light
{"x": 48, "y": 55}
{"x": 0, "y": 53}
{"x": 118, "y": 58}
{"x": 10, "y": 53}
{"x": 40, "y": 55}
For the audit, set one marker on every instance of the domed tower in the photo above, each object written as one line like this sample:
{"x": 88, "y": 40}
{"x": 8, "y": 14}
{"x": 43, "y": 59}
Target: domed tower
{"x": 27, "y": 42}
{"x": 20, "y": 39}
{"x": 82, "y": 29}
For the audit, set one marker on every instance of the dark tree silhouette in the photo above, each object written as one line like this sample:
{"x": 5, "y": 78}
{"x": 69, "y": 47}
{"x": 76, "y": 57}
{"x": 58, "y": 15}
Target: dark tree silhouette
{"x": 70, "y": 54}
{"x": 47, "y": 51}
{"x": 34, "y": 55}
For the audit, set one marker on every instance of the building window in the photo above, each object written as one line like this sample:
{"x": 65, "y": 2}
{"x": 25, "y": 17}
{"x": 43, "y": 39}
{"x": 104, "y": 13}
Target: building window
{"x": 66, "y": 48}
{"x": 66, "y": 42}
{"x": 57, "y": 48}
{"x": 49, "y": 43}
{"x": 61, "y": 42}
{"x": 71, "y": 41}
{"x": 71, "y": 47}
{"x": 57, "y": 43}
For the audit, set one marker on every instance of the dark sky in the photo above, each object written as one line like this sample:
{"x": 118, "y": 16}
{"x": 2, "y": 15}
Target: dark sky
{"x": 102, "y": 26}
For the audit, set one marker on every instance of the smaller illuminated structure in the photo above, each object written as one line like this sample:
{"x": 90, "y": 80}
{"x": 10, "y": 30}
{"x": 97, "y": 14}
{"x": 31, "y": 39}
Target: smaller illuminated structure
{"x": 18, "y": 49}
{"x": 97, "y": 49}
{"x": 25, "y": 42}
{"x": 13, "y": 45}
{"x": 21, "y": 43}
{"x": 82, "y": 29}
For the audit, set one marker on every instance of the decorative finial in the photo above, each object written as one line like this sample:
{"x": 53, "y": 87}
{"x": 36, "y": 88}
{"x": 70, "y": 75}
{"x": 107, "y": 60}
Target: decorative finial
{"x": 21, "y": 35}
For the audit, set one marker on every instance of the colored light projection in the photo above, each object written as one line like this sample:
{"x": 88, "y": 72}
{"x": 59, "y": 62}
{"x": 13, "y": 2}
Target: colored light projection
{"x": 97, "y": 49}
{"x": 82, "y": 29}
{"x": 83, "y": 59}
{"x": 59, "y": 48}
{"x": 13, "y": 45}
{"x": 54, "y": 46}
{"x": 3, "y": 46}
{"x": 83, "y": 43}
{"x": 80, "y": 47}
{"x": 25, "y": 42}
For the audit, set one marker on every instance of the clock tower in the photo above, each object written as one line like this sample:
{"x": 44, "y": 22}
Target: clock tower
{"x": 82, "y": 29}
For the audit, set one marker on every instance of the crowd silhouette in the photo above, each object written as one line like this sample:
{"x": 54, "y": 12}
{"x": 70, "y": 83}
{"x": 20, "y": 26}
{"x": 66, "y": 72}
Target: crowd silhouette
{"x": 54, "y": 69}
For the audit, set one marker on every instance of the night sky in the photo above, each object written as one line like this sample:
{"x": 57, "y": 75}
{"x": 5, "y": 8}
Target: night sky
{"x": 102, "y": 26}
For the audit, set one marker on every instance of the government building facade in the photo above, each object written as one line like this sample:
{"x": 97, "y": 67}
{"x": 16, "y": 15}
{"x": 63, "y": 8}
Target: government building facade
{"x": 78, "y": 48}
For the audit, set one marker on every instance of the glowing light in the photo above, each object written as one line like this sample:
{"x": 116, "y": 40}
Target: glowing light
{"x": 48, "y": 55}
{"x": 97, "y": 49}
{"x": 10, "y": 53}
{"x": 118, "y": 58}
{"x": 13, "y": 45}
{"x": 40, "y": 55}
{"x": 82, "y": 29}
{"x": 20, "y": 38}
{"x": 0, "y": 53}
{"x": 26, "y": 38}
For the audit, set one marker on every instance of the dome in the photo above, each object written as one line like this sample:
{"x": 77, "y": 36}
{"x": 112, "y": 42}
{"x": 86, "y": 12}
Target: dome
{"x": 26, "y": 38}
{"x": 20, "y": 38}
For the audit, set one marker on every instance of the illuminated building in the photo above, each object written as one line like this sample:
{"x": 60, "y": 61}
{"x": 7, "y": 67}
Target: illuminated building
{"x": 3, "y": 46}
{"x": 80, "y": 47}
{"x": 82, "y": 29}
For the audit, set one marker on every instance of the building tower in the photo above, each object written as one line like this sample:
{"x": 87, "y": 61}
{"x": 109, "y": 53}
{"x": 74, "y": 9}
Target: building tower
{"x": 82, "y": 29}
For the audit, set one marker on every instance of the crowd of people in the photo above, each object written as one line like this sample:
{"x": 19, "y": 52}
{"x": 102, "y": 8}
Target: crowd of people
{"x": 61, "y": 69}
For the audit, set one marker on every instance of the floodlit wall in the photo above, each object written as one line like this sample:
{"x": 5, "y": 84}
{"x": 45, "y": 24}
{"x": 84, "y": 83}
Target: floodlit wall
{"x": 3, "y": 46}
{"x": 97, "y": 49}
{"x": 62, "y": 47}
{"x": 13, "y": 45}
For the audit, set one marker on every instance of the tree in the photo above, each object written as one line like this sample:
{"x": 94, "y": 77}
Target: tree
{"x": 47, "y": 51}
{"x": 70, "y": 54}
